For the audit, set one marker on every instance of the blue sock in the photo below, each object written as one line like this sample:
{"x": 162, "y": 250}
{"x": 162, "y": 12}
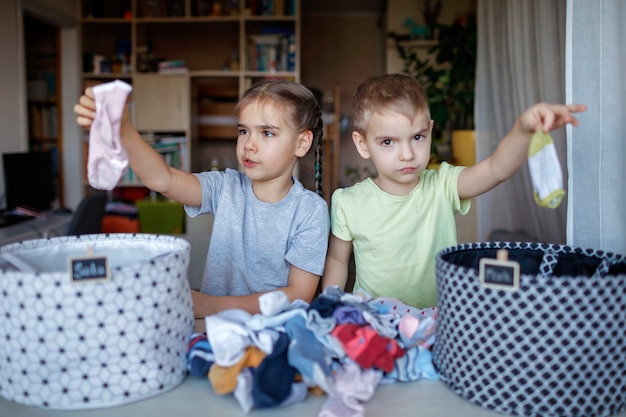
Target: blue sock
{"x": 307, "y": 354}
{"x": 272, "y": 380}
{"x": 199, "y": 356}
{"x": 325, "y": 306}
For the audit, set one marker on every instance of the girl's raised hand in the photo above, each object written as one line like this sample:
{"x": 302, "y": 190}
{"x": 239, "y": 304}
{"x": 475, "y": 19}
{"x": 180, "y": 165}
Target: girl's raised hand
{"x": 85, "y": 109}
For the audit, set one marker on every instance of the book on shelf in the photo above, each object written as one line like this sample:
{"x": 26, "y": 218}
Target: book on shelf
{"x": 172, "y": 147}
{"x": 279, "y": 7}
{"x": 163, "y": 138}
{"x": 35, "y": 122}
{"x": 272, "y": 52}
{"x": 291, "y": 51}
{"x": 43, "y": 123}
{"x": 271, "y": 7}
{"x": 173, "y": 67}
{"x": 174, "y": 155}
{"x": 174, "y": 70}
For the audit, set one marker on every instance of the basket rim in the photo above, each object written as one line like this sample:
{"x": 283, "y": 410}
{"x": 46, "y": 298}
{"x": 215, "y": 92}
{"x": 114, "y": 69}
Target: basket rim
{"x": 99, "y": 237}
{"x": 531, "y": 246}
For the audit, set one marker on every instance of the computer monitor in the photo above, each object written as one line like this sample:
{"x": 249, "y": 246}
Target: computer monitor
{"x": 29, "y": 179}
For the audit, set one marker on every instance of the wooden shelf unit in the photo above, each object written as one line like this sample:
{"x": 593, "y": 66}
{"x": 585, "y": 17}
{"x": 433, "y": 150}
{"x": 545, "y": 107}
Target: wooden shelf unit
{"x": 211, "y": 46}
{"x": 42, "y": 46}
{"x": 216, "y": 44}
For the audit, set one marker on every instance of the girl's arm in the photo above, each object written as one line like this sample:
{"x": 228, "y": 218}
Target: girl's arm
{"x": 301, "y": 286}
{"x": 149, "y": 166}
{"x": 337, "y": 260}
{"x": 512, "y": 151}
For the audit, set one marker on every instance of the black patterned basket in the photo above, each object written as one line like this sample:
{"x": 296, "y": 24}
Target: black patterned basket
{"x": 76, "y": 345}
{"x": 555, "y": 347}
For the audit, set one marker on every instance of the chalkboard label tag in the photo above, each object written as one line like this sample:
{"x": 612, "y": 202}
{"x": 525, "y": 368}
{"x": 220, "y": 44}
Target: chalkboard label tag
{"x": 499, "y": 273}
{"x": 89, "y": 268}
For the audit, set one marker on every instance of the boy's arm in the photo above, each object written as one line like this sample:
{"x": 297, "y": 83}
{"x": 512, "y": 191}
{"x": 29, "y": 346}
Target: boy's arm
{"x": 512, "y": 151}
{"x": 147, "y": 164}
{"x": 337, "y": 260}
{"x": 300, "y": 286}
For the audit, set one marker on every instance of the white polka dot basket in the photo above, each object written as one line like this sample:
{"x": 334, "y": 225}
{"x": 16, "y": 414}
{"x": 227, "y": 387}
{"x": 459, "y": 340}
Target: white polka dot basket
{"x": 113, "y": 331}
{"x": 556, "y": 346}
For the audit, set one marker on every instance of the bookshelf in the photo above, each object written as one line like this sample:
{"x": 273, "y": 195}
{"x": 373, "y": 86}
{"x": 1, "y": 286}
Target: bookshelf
{"x": 219, "y": 47}
{"x": 189, "y": 62}
{"x": 42, "y": 46}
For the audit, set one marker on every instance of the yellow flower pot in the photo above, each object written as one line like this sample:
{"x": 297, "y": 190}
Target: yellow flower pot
{"x": 464, "y": 147}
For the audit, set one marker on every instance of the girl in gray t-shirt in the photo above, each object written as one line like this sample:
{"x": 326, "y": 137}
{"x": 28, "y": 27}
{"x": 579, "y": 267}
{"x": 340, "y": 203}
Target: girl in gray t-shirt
{"x": 270, "y": 233}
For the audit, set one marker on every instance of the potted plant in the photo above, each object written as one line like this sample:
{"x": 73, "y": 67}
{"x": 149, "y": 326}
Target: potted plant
{"x": 448, "y": 75}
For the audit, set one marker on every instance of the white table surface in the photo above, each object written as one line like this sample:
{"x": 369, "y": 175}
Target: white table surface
{"x": 195, "y": 397}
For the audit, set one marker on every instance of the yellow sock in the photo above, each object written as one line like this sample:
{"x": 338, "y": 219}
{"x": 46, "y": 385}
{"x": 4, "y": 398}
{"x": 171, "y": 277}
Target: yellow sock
{"x": 224, "y": 378}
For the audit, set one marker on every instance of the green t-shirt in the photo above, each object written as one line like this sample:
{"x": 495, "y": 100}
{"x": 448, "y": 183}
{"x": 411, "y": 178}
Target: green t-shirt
{"x": 396, "y": 238}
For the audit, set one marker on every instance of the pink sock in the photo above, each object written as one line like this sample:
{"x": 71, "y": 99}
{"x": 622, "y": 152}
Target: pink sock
{"x": 353, "y": 387}
{"x": 107, "y": 160}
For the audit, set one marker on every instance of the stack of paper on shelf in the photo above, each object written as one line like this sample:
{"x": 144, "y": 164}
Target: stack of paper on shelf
{"x": 173, "y": 67}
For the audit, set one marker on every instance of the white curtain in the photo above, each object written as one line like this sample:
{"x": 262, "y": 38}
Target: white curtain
{"x": 521, "y": 61}
{"x": 596, "y": 68}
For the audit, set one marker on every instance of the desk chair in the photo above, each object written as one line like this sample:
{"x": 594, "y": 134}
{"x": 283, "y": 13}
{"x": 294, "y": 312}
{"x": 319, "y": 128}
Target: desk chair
{"x": 88, "y": 216}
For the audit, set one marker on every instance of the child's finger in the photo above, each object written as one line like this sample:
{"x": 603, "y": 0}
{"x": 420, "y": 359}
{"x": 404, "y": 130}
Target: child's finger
{"x": 577, "y": 108}
{"x": 548, "y": 117}
{"x": 567, "y": 112}
{"x": 84, "y": 121}
{"x": 560, "y": 115}
{"x": 83, "y": 111}
{"x": 85, "y": 107}
{"x": 87, "y": 102}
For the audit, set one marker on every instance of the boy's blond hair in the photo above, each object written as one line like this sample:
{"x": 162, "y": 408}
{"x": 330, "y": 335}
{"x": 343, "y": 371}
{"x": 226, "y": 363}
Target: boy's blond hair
{"x": 400, "y": 93}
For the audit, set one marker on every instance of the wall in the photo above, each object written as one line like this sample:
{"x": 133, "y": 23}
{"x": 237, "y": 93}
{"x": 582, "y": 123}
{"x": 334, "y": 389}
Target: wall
{"x": 61, "y": 13}
{"x": 12, "y": 84}
{"x": 12, "y": 79}
{"x": 326, "y": 38}
{"x": 72, "y": 133}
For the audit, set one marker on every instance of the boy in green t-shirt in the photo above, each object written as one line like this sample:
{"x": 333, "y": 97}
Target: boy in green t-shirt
{"x": 398, "y": 222}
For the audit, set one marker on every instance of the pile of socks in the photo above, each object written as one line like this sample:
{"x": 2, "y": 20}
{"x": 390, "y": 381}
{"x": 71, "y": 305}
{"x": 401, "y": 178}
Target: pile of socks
{"x": 340, "y": 345}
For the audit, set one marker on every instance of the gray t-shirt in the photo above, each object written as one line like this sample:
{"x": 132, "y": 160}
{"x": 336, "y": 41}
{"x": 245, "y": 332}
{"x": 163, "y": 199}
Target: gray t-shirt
{"x": 253, "y": 243}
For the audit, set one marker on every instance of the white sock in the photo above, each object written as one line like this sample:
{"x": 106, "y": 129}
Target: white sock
{"x": 545, "y": 171}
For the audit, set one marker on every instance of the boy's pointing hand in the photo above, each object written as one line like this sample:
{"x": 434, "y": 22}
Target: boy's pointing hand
{"x": 550, "y": 117}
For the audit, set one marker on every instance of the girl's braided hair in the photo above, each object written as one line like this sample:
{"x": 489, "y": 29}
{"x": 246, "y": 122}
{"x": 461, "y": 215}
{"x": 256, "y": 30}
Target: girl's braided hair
{"x": 302, "y": 110}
